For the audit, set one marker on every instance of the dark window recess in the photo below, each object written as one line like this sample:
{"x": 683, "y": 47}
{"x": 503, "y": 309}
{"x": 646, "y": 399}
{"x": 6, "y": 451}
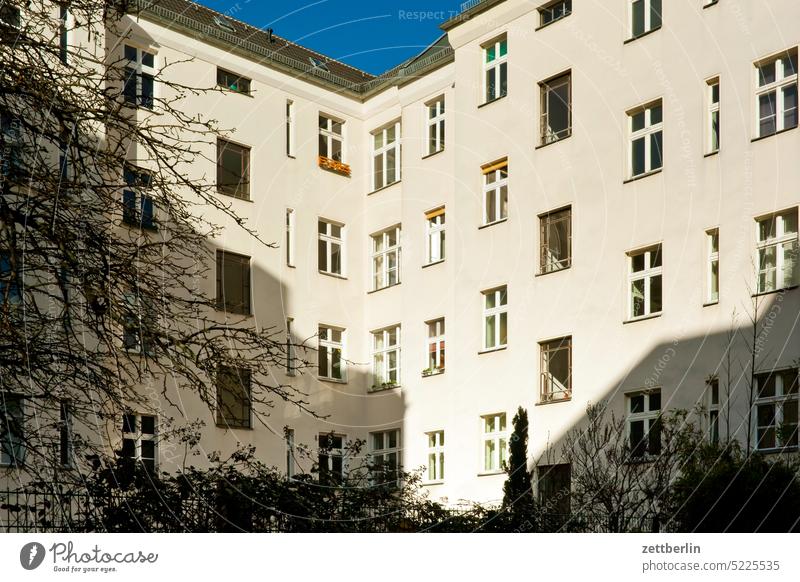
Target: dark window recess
{"x": 554, "y": 488}
{"x": 138, "y": 89}
{"x": 233, "y": 283}
{"x": 63, "y": 39}
{"x": 233, "y": 81}
{"x": 12, "y": 444}
{"x": 331, "y": 459}
{"x": 137, "y": 206}
{"x": 233, "y": 169}
{"x": 233, "y": 398}
{"x": 554, "y": 11}
{"x": 10, "y": 15}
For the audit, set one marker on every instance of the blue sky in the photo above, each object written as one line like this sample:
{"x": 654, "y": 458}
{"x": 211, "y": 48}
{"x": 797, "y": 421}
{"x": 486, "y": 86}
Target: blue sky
{"x": 372, "y": 35}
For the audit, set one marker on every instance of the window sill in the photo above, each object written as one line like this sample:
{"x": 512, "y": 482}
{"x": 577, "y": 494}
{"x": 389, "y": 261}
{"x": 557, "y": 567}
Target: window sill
{"x": 644, "y": 34}
{"x": 333, "y": 275}
{"x": 711, "y": 154}
{"x": 222, "y": 192}
{"x": 555, "y": 141}
{"x": 559, "y": 401}
{"x": 781, "y": 290}
{"x": 432, "y": 483}
{"x": 642, "y": 176}
{"x": 495, "y": 100}
{"x": 227, "y": 90}
{"x": 382, "y": 289}
{"x": 759, "y": 138}
{"x": 382, "y": 388}
{"x": 383, "y": 188}
{"x": 778, "y": 450}
{"x": 332, "y": 380}
{"x": 711, "y": 303}
{"x": 545, "y": 273}
{"x": 437, "y": 372}
{"x": 538, "y": 28}
{"x": 491, "y": 473}
{"x": 488, "y": 224}
{"x": 226, "y": 311}
{"x": 232, "y": 427}
{"x": 491, "y": 350}
{"x": 710, "y": 4}
{"x": 643, "y": 318}
{"x": 439, "y": 262}
{"x": 426, "y": 156}
{"x": 291, "y": 157}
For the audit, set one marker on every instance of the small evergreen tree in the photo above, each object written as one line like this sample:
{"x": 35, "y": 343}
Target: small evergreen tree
{"x": 518, "y": 501}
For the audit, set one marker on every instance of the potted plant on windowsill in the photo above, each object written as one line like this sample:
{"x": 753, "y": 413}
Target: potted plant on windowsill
{"x": 432, "y": 371}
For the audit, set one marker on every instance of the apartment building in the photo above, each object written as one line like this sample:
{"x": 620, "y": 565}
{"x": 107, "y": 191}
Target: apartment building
{"x": 551, "y": 206}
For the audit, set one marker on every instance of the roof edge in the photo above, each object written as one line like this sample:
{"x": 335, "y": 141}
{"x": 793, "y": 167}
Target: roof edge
{"x": 473, "y": 8}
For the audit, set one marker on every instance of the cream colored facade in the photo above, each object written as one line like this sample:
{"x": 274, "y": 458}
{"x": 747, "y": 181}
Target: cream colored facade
{"x": 589, "y": 171}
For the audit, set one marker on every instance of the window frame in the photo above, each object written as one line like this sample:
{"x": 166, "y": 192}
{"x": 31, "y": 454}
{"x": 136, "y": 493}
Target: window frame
{"x": 382, "y": 257}
{"x": 435, "y": 346}
{"x": 16, "y": 439}
{"x": 777, "y": 243}
{"x": 547, "y": 350}
{"x": 546, "y": 87}
{"x": 246, "y": 307}
{"x": 651, "y": 419}
{"x": 647, "y": 133}
{"x": 648, "y": 273}
{"x": 498, "y": 65}
{"x": 382, "y": 153}
{"x": 290, "y": 128}
{"x": 138, "y": 436}
{"x": 330, "y": 136}
{"x": 778, "y": 401}
{"x": 547, "y": 223}
{"x": 435, "y": 125}
{"x": 327, "y": 476}
{"x": 713, "y": 408}
{"x": 435, "y": 230}
{"x": 136, "y": 72}
{"x": 496, "y": 313}
{"x": 242, "y": 84}
{"x": 434, "y": 470}
{"x": 497, "y": 190}
{"x": 290, "y": 236}
{"x": 647, "y": 17}
{"x": 244, "y": 380}
{"x": 291, "y": 356}
{"x": 386, "y": 451}
{"x": 326, "y": 342}
{"x": 381, "y": 369}
{"x": 712, "y": 266}
{"x": 549, "y": 7}
{"x": 329, "y": 241}
{"x": 10, "y": 283}
{"x": 713, "y": 113}
{"x": 498, "y": 435}
{"x": 134, "y": 199}
{"x": 241, "y": 191}
{"x": 778, "y": 86}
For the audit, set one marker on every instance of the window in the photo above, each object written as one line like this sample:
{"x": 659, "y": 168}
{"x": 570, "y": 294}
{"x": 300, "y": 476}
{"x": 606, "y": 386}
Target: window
{"x": 435, "y": 347}
{"x": 138, "y": 313}
{"x": 712, "y": 266}
{"x": 331, "y": 138}
{"x": 386, "y": 258}
{"x": 233, "y": 169}
{"x": 556, "y": 370}
{"x": 233, "y": 82}
{"x": 331, "y": 350}
{"x": 435, "y": 126}
{"x": 386, "y": 156}
{"x": 290, "y": 349}
{"x": 330, "y": 248}
{"x": 646, "y": 139}
{"x": 385, "y": 457}
{"x": 435, "y": 235}
{"x": 9, "y": 285}
{"x": 776, "y": 93}
{"x": 495, "y": 69}
{"x": 435, "y": 456}
{"x": 137, "y": 205}
{"x": 12, "y": 421}
{"x": 233, "y": 283}
{"x": 495, "y": 192}
{"x": 139, "y": 439}
{"x": 290, "y": 237}
{"x": 553, "y": 11}
{"x": 645, "y": 16}
{"x": 645, "y": 282}
{"x": 139, "y": 77}
{"x": 233, "y": 397}
{"x": 318, "y": 64}
{"x": 65, "y": 446}
{"x": 555, "y": 240}
{"x": 331, "y": 458}
{"x": 290, "y": 128}
{"x": 644, "y": 423}
{"x": 386, "y": 357}
{"x": 712, "y": 400}
{"x": 10, "y": 15}
{"x": 554, "y": 485}
{"x": 777, "y": 249}
{"x": 11, "y": 144}
{"x": 495, "y": 318}
{"x": 291, "y": 464}
{"x": 63, "y": 33}
{"x": 556, "y": 108}
{"x": 712, "y": 97}
{"x": 776, "y": 409}
{"x": 495, "y": 442}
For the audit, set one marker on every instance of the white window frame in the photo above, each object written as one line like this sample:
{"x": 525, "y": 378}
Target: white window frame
{"x": 546, "y": 134}
{"x": 289, "y": 238}
{"x": 566, "y": 10}
{"x": 497, "y": 64}
{"x": 713, "y": 115}
{"x": 380, "y": 454}
{"x": 138, "y": 437}
{"x": 139, "y": 69}
{"x": 290, "y": 128}
{"x": 648, "y": 25}
{"x": 495, "y": 313}
{"x": 435, "y": 125}
{"x": 497, "y": 190}
{"x": 434, "y": 470}
{"x": 329, "y": 240}
{"x": 712, "y": 261}
{"x": 649, "y": 416}
{"x": 435, "y": 235}
{"x": 331, "y": 136}
{"x": 647, "y": 274}
{"x": 713, "y": 410}
{"x": 781, "y": 63}
{"x": 291, "y": 463}
{"x": 291, "y": 356}
{"x": 382, "y": 153}
{"x": 550, "y": 390}
{"x": 434, "y": 345}
{"x": 381, "y": 370}
{"x": 383, "y": 273}
{"x": 645, "y": 133}
{"x": 334, "y": 452}
{"x": 778, "y": 244}
{"x": 778, "y": 401}
{"x": 330, "y": 346}
{"x": 494, "y": 429}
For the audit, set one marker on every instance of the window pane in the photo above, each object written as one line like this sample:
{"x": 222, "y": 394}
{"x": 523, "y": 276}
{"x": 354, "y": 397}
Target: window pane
{"x": 490, "y": 84}
{"x": 790, "y": 106}
{"x": 638, "y": 156}
{"x": 391, "y": 160}
{"x": 637, "y": 16}
{"x": 503, "y": 328}
{"x": 491, "y": 323}
{"x": 503, "y": 79}
{"x": 766, "y": 74}
{"x": 655, "y": 14}
{"x": 655, "y": 151}
{"x": 655, "y": 294}
{"x": 766, "y": 110}
{"x": 148, "y": 425}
